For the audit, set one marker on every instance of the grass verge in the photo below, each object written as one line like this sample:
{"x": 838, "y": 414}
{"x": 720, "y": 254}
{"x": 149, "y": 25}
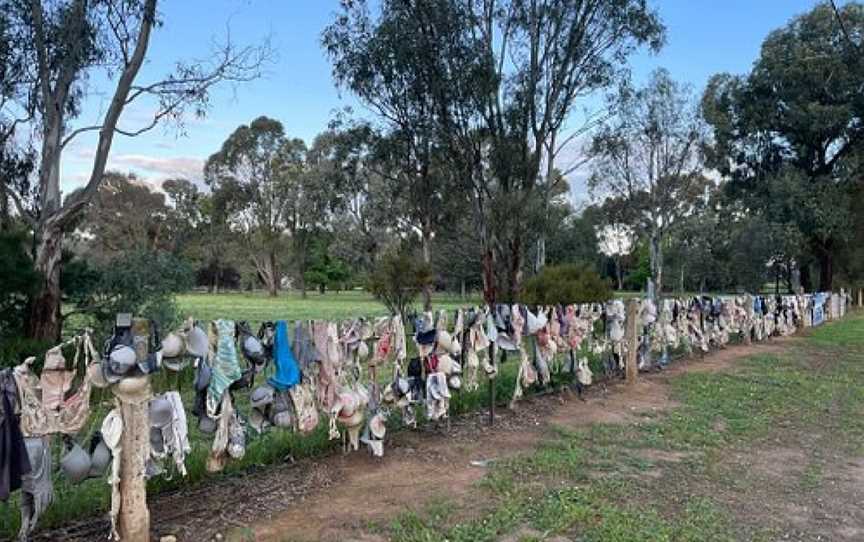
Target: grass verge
{"x": 669, "y": 478}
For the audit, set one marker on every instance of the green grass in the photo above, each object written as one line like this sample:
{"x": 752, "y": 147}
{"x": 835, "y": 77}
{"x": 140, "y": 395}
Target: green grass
{"x": 257, "y": 307}
{"x": 588, "y": 484}
{"x": 847, "y": 332}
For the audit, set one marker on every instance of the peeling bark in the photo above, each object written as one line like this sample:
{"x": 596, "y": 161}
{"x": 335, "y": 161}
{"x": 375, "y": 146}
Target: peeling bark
{"x": 45, "y": 322}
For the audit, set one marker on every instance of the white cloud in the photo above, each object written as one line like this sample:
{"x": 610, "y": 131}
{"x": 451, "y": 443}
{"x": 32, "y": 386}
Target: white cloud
{"x": 83, "y": 152}
{"x": 71, "y": 181}
{"x": 151, "y": 170}
{"x": 157, "y": 168}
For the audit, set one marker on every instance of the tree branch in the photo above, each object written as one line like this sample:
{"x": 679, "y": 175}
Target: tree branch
{"x": 19, "y": 204}
{"x": 189, "y": 87}
{"x": 106, "y": 134}
{"x": 41, "y": 50}
{"x": 843, "y": 28}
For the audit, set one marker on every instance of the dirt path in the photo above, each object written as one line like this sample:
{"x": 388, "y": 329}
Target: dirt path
{"x": 338, "y": 497}
{"x": 424, "y": 468}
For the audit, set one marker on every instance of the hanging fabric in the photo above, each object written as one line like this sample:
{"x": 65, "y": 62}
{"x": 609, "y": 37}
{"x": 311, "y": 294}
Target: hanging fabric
{"x": 14, "y": 460}
{"x": 287, "y": 372}
{"x": 37, "y": 489}
{"x": 67, "y": 416}
{"x": 225, "y": 364}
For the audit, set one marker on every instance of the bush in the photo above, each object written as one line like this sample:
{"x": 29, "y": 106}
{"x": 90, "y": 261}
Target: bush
{"x": 565, "y": 284}
{"x": 14, "y": 350}
{"x": 397, "y": 279}
{"x": 142, "y": 283}
{"x": 638, "y": 277}
{"x": 18, "y": 282}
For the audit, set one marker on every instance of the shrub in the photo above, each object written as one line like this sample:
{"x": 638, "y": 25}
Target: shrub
{"x": 142, "y": 283}
{"x": 565, "y": 284}
{"x": 14, "y": 350}
{"x": 18, "y": 282}
{"x": 397, "y": 279}
{"x": 638, "y": 277}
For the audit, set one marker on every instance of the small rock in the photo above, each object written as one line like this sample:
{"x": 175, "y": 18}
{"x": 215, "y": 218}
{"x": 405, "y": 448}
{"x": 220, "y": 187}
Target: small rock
{"x": 168, "y": 538}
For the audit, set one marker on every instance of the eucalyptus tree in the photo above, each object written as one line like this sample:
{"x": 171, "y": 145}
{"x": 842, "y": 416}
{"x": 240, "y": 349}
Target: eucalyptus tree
{"x": 616, "y": 241}
{"x": 361, "y": 225}
{"x": 199, "y": 221}
{"x": 495, "y": 79}
{"x": 417, "y": 196}
{"x": 126, "y": 215}
{"x": 17, "y": 156}
{"x": 789, "y": 133}
{"x": 257, "y": 172}
{"x": 316, "y": 197}
{"x": 405, "y": 151}
{"x": 61, "y": 50}
{"x": 648, "y": 158}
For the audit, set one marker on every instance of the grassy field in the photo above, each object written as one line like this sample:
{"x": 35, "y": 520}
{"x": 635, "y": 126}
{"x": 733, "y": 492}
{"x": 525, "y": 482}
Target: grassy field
{"x": 257, "y": 307}
{"x": 754, "y": 453}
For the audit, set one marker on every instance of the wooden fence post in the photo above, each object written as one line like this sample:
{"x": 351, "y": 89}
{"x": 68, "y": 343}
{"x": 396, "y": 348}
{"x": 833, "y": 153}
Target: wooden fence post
{"x": 134, "y": 518}
{"x": 492, "y": 353}
{"x": 632, "y": 339}
{"x": 860, "y": 297}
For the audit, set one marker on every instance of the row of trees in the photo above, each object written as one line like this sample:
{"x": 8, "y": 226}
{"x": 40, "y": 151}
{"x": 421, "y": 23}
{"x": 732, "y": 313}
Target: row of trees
{"x": 761, "y": 177}
{"x": 478, "y": 107}
{"x": 757, "y": 179}
{"x": 50, "y": 52}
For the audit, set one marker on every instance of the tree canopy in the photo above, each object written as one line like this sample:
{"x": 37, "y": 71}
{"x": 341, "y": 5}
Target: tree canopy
{"x": 788, "y": 135}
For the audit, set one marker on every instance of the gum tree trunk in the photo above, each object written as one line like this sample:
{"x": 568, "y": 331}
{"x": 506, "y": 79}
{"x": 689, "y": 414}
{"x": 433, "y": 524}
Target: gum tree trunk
{"x": 266, "y": 268}
{"x": 45, "y": 322}
{"x": 426, "y": 246}
{"x": 826, "y": 269}
{"x": 514, "y": 269}
{"x": 655, "y": 281}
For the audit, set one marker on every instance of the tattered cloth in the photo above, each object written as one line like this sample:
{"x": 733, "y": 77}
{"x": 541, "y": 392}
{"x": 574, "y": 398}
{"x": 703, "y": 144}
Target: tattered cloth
{"x": 37, "y": 488}
{"x": 57, "y": 415}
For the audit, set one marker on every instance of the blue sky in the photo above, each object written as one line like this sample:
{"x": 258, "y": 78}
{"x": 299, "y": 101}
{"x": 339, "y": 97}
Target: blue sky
{"x": 704, "y": 37}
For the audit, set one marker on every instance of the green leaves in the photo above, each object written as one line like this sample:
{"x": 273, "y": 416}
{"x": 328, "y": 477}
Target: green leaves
{"x": 787, "y": 134}
{"x": 397, "y": 279}
{"x": 143, "y": 283}
{"x": 19, "y": 281}
{"x": 565, "y": 284}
